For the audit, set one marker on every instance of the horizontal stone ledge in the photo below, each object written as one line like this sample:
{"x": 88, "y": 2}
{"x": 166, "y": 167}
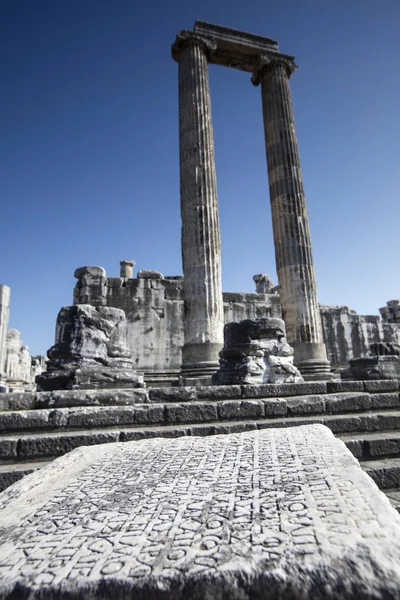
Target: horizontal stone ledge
{"x": 196, "y": 411}
{"x": 283, "y": 389}
{"x": 127, "y": 397}
{"x": 381, "y": 385}
{"x": 215, "y": 531}
{"x": 30, "y": 446}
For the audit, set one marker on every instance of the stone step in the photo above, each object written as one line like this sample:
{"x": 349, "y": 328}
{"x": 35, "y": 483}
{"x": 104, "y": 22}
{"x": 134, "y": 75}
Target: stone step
{"x": 10, "y": 472}
{"x": 371, "y": 446}
{"x": 385, "y": 472}
{"x": 43, "y": 444}
{"x": 126, "y": 397}
{"x": 394, "y": 497}
{"x": 169, "y": 413}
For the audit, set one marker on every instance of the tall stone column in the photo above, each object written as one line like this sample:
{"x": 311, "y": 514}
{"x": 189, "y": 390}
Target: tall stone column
{"x": 201, "y": 244}
{"x": 4, "y": 317}
{"x": 293, "y": 254}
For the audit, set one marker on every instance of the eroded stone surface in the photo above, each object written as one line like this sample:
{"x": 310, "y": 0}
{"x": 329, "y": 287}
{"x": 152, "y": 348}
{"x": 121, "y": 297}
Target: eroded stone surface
{"x": 376, "y": 367}
{"x": 256, "y": 351}
{"x": 90, "y": 351}
{"x": 288, "y": 511}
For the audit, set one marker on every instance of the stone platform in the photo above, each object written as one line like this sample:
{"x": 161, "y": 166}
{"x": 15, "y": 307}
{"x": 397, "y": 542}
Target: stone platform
{"x": 36, "y": 428}
{"x": 281, "y": 513}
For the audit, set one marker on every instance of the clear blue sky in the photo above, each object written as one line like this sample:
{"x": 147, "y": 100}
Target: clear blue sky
{"x": 89, "y": 170}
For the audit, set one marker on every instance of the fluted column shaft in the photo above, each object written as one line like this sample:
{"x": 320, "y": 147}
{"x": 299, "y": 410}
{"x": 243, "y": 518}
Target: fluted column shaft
{"x": 201, "y": 245}
{"x": 293, "y": 253}
{"x": 4, "y": 316}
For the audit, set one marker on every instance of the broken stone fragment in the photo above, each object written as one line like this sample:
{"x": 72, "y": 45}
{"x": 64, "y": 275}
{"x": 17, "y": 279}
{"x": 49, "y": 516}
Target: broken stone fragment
{"x": 90, "y": 351}
{"x": 91, "y": 287}
{"x": 149, "y": 274}
{"x": 256, "y": 351}
{"x": 263, "y": 283}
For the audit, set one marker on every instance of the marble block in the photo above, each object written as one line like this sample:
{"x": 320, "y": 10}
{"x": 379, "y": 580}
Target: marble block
{"x": 278, "y": 513}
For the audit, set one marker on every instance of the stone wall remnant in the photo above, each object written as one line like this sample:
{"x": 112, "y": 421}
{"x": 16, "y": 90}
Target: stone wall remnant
{"x": 277, "y": 513}
{"x": 154, "y": 310}
{"x": 149, "y": 274}
{"x": 90, "y": 351}
{"x": 391, "y": 312}
{"x": 263, "y": 283}
{"x": 255, "y": 352}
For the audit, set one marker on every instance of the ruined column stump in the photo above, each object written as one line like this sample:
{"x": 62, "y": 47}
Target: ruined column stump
{"x": 279, "y": 513}
{"x": 256, "y": 351}
{"x": 383, "y": 362}
{"x": 90, "y": 351}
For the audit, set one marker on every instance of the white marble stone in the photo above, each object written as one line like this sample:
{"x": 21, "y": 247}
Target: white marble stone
{"x": 4, "y": 317}
{"x": 292, "y": 239}
{"x": 281, "y": 513}
{"x": 201, "y": 243}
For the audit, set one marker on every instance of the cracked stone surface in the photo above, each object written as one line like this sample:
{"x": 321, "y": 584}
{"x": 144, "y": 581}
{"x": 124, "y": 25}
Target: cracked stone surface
{"x": 281, "y": 513}
{"x": 90, "y": 351}
{"x": 256, "y": 351}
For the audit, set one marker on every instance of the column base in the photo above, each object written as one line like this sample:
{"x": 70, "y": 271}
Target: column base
{"x": 312, "y": 363}
{"x": 200, "y": 373}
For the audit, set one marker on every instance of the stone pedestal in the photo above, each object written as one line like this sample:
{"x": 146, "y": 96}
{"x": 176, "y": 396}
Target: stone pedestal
{"x": 278, "y": 514}
{"x": 201, "y": 246}
{"x": 294, "y": 261}
{"x": 90, "y": 351}
{"x": 375, "y": 367}
{"x": 255, "y": 352}
{"x": 383, "y": 363}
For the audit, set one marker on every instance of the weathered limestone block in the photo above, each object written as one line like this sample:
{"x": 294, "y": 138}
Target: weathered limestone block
{"x": 375, "y": 367}
{"x": 256, "y": 351}
{"x": 149, "y": 274}
{"x": 280, "y": 513}
{"x": 263, "y": 283}
{"x": 90, "y": 351}
{"x": 91, "y": 287}
{"x": 383, "y": 363}
{"x": 391, "y": 312}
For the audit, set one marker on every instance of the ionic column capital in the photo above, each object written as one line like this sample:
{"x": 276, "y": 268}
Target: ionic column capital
{"x": 267, "y": 62}
{"x": 188, "y": 38}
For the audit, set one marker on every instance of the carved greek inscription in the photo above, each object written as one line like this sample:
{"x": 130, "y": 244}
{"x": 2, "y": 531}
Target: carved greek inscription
{"x": 164, "y": 507}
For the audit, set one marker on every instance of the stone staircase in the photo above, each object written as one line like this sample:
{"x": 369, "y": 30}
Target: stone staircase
{"x": 365, "y": 415}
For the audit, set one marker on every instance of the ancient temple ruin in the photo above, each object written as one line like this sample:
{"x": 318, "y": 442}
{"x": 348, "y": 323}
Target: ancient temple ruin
{"x": 255, "y": 497}
{"x": 18, "y": 369}
{"x": 269, "y": 68}
{"x": 155, "y": 318}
